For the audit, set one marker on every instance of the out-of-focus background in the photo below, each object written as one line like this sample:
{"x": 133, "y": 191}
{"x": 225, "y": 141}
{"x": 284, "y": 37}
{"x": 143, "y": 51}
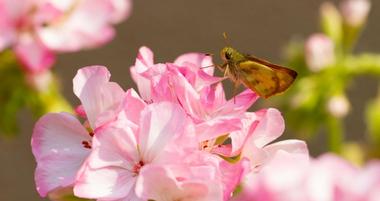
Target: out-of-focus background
{"x": 173, "y": 27}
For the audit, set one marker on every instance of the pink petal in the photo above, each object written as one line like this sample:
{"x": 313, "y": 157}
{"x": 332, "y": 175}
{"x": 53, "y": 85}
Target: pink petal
{"x": 80, "y": 28}
{"x": 216, "y": 127}
{"x": 241, "y": 137}
{"x": 111, "y": 183}
{"x": 232, "y": 175}
{"x": 133, "y": 105}
{"x": 188, "y": 97}
{"x": 56, "y": 145}
{"x": 37, "y": 60}
{"x": 158, "y": 183}
{"x": 198, "y": 60}
{"x": 109, "y": 173}
{"x": 121, "y": 10}
{"x": 238, "y": 104}
{"x": 97, "y": 94}
{"x": 144, "y": 61}
{"x": 115, "y": 145}
{"x": 159, "y": 124}
{"x": 290, "y": 146}
{"x": 271, "y": 126}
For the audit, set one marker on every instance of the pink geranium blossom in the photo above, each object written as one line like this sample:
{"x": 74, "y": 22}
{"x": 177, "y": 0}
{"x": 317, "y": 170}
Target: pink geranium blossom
{"x": 48, "y": 27}
{"x": 199, "y": 93}
{"x": 294, "y": 178}
{"x": 183, "y": 140}
{"x": 60, "y": 143}
{"x": 123, "y": 149}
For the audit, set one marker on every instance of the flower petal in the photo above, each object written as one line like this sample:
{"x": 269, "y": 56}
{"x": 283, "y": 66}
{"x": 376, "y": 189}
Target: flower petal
{"x": 160, "y": 122}
{"x": 159, "y": 183}
{"x": 198, "y": 60}
{"x": 110, "y": 183}
{"x": 270, "y": 127}
{"x": 56, "y": 145}
{"x": 34, "y": 61}
{"x": 97, "y": 94}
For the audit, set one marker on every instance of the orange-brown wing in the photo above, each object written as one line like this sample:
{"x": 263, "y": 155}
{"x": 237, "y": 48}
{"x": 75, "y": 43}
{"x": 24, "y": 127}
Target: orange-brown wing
{"x": 265, "y": 78}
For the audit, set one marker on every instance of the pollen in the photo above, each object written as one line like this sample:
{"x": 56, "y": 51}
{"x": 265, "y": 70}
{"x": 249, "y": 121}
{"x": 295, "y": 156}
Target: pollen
{"x": 86, "y": 144}
{"x": 137, "y": 167}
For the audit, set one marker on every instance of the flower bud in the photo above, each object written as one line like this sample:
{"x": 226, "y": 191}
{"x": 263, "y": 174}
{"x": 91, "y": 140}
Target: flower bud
{"x": 355, "y": 12}
{"x": 331, "y": 21}
{"x": 39, "y": 81}
{"x": 338, "y": 106}
{"x": 319, "y": 52}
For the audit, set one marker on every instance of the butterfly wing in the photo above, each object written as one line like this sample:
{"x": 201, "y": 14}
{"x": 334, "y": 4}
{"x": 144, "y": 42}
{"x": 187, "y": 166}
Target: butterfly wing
{"x": 265, "y": 78}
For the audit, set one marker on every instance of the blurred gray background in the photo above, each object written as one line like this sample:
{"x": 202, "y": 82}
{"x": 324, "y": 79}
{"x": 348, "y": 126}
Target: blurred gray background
{"x": 174, "y": 27}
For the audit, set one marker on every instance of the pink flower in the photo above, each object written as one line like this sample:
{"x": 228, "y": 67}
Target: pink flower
{"x": 122, "y": 149}
{"x": 60, "y": 143}
{"x": 319, "y": 52}
{"x": 355, "y": 12}
{"x": 182, "y": 141}
{"x": 48, "y": 27}
{"x": 293, "y": 177}
{"x": 252, "y": 141}
{"x": 195, "y": 89}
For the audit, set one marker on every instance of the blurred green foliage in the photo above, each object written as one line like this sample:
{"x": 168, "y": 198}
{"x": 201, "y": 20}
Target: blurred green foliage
{"x": 16, "y": 94}
{"x": 318, "y": 99}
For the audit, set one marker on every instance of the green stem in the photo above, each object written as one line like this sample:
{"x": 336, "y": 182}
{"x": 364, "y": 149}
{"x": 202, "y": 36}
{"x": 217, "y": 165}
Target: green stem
{"x": 363, "y": 64}
{"x": 49, "y": 100}
{"x": 335, "y": 134}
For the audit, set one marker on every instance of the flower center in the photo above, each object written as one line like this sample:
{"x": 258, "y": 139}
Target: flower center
{"x": 137, "y": 167}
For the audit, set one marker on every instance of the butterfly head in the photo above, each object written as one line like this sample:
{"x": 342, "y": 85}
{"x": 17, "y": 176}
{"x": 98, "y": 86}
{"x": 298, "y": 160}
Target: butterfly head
{"x": 230, "y": 55}
{"x": 227, "y": 53}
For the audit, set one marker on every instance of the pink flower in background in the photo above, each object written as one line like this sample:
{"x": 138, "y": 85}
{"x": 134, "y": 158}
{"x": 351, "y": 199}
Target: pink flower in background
{"x": 319, "y": 52}
{"x": 355, "y": 12}
{"x": 293, "y": 178}
{"x": 60, "y": 143}
{"x": 49, "y": 26}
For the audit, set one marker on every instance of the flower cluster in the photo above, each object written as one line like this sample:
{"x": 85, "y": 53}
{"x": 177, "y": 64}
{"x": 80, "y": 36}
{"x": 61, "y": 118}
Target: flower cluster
{"x": 180, "y": 139}
{"x": 50, "y": 26}
{"x": 290, "y": 178}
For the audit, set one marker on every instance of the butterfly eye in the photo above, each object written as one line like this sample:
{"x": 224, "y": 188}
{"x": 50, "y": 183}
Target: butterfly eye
{"x": 227, "y": 56}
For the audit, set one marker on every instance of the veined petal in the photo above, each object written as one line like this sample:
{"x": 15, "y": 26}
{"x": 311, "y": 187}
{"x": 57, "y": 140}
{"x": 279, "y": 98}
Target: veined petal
{"x": 79, "y": 28}
{"x": 271, "y": 126}
{"x": 144, "y": 61}
{"x": 110, "y": 183}
{"x": 114, "y": 146}
{"x": 57, "y": 146}
{"x": 290, "y": 146}
{"x": 132, "y": 106}
{"x": 97, "y": 94}
{"x": 238, "y": 104}
{"x": 40, "y": 59}
{"x": 159, "y": 124}
{"x": 169, "y": 188}
{"x": 198, "y": 60}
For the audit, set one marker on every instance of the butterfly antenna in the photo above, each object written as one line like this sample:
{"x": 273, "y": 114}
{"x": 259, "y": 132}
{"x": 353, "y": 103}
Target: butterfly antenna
{"x": 226, "y": 41}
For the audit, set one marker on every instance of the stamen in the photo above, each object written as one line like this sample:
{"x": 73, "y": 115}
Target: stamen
{"x": 86, "y": 144}
{"x": 137, "y": 167}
